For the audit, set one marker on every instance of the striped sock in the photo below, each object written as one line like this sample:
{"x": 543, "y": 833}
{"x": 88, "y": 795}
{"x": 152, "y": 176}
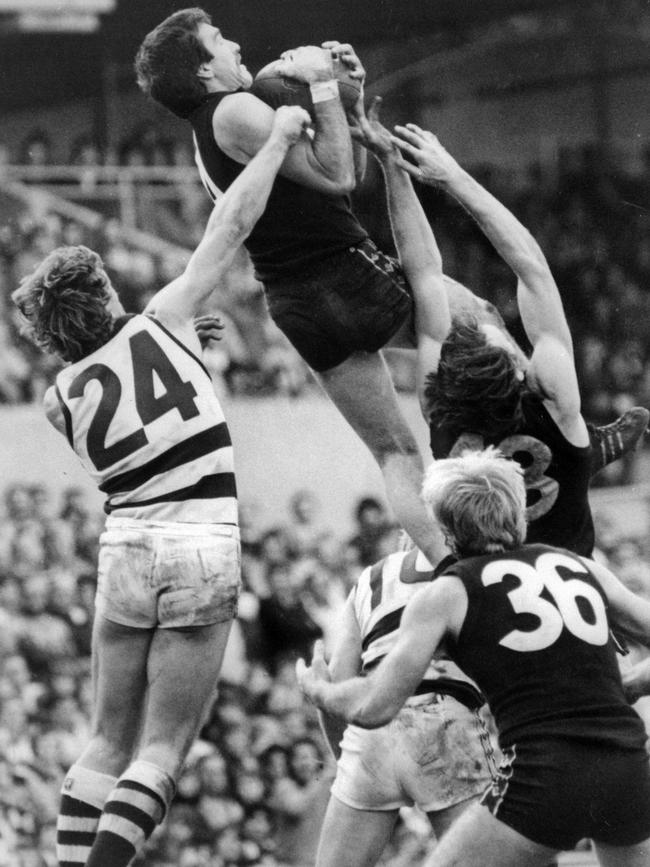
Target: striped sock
{"x": 83, "y": 795}
{"x": 135, "y": 806}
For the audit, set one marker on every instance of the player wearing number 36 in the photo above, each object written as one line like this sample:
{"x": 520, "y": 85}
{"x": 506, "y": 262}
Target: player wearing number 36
{"x": 530, "y": 624}
{"x": 138, "y": 408}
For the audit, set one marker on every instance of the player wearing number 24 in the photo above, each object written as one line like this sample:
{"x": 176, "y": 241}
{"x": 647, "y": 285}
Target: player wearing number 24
{"x": 530, "y": 624}
{"x": 139, "y": 409}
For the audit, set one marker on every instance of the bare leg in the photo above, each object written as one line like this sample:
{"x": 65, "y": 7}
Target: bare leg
{"x": 120, "y": 680}
{"x": 353, "y": 838}
{"x": 442, "y": 820}
{"x": 477, "y": 839}
{"x": 362, "y": 390}
{"x": 183, "y": 670}
{"x": 119, "y": 684}
{"x": 624, "y": 856}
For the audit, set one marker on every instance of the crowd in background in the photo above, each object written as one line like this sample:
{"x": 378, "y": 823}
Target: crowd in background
{"x": 589, "y": 217}
{"x": 256, "y": 784}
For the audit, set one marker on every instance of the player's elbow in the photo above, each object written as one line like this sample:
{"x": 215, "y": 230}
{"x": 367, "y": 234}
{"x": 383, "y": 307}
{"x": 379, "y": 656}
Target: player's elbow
{"x": 340, "y": 183}
{"x": 533, "y": 267}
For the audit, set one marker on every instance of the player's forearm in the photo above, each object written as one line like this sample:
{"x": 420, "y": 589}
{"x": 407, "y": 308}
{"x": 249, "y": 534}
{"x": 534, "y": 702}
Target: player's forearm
{"x": 245, "y": 200}
{"x": 332, "y": 144}
{"x": 511, "y": 239}
{"x": 412, "y": 231}
{"x": 418, "y": 253}
{"x": 355, "y": 700}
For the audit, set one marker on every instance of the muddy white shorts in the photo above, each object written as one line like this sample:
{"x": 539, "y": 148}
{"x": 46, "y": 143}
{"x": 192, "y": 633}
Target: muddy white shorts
{"x": 435, "y": 753}
{"x": 168, "y": 574}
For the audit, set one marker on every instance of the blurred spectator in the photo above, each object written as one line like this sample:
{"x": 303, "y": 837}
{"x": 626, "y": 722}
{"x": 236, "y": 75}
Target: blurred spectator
{"x": 372, "y": 522}
{"x": 255, "y": 785}
{"x": 36, "y": 149}
{"x": 305, "y": 530}
{"x": 300, "y": 801}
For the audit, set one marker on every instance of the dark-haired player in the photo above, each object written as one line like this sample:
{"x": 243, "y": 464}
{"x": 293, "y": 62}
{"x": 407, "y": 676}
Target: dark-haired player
{"x": 138, "y": 407}
{"x": 530, "y": 624}
{"x": 483, "y": 390}
{"x": 336, "y": 297}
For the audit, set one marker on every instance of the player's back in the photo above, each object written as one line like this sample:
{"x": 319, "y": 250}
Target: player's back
{"x": 142, "y": 416}
{"x": 556, "y": 472}
{"x": 380, "y": 596}
{"x": 536, "y": 639}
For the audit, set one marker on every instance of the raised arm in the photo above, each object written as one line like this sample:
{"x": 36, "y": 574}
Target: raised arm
{"x": 230, "y": 223}
{"x": 416, "y": 247}
{"x": 324, "y": 161}
{"x": 345, "y": 54}
{"x": 373, "y": 701}
{"x": 539, "y": 300}
{"x": 540, "y": 305}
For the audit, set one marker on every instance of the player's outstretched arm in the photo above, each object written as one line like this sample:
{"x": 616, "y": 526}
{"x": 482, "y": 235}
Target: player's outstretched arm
{"x": 344, "y": 663}
{"x": 540, "y": 304}
{"x": 629, "y": 613}
{"x": 231, "y": 222}
{"x": 416, "y": 247}
{"x": 538, "y": 297}
{"x": 242, "y": 123}
{"x": 373, "y": 701}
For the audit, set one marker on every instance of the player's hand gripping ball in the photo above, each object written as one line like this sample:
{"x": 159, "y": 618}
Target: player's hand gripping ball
{"x": 276, "y": 89}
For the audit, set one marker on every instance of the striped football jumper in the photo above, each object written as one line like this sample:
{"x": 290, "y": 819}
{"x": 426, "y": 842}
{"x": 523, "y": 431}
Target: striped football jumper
{"x": 141, "y": 414}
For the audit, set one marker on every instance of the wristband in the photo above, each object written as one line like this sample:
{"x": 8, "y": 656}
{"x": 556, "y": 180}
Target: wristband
{"x": 321, "y": 91}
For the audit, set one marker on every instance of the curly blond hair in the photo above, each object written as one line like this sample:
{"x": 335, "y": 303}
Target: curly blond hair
{"x": 64, "y": 301}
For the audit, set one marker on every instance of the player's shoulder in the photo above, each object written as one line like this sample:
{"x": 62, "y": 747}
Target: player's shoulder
{"x": 447, "y": 595}
{"x": 239, "y": 110}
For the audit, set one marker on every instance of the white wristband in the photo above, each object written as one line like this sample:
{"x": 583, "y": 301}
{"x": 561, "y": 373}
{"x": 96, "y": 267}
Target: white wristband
{"x": 321, "y": 91}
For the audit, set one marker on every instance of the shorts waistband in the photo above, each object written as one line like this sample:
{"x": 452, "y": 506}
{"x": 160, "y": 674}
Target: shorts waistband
{"x": 426, "y": 698}
{"x": 173, "y": 528}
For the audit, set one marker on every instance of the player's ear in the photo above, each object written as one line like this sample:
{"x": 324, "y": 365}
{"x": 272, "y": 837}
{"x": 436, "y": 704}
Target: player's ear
{"x": 204, "y": 71}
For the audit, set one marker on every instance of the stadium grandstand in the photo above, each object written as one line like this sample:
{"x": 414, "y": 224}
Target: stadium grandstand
{"x": 546, "y": 103}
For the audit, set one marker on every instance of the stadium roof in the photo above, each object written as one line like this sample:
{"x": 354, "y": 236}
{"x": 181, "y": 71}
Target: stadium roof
{"x": 48, "y": 68}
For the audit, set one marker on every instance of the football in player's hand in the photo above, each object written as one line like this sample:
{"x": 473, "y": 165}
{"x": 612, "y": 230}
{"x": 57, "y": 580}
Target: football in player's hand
{"x": 275, "y": 89}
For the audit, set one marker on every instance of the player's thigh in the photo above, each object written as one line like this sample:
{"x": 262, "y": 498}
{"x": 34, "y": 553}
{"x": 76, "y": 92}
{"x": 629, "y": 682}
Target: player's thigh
{"x": 442, "y": 820}
{"x": 362, "y": 390}
{"x": 353, "y": 838}
{"x": 120, "y": 678}
{"x": 477, "y": 839}
{"x": 183, "y": 670}
{"x": 637, "y": 855}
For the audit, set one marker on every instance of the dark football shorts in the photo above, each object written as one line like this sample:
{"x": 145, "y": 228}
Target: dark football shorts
{"x": 355, "y": 301}
{"x": 557, "y": 792}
